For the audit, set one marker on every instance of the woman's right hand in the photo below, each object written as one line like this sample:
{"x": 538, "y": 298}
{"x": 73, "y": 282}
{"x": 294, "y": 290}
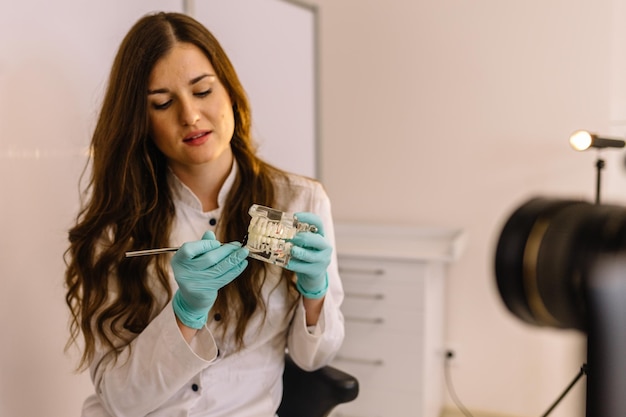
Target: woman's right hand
{"x": 201, "y": 268}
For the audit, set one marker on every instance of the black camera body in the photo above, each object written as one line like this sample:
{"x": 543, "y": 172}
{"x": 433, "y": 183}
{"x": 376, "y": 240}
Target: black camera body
{"x": 562, "y": 263}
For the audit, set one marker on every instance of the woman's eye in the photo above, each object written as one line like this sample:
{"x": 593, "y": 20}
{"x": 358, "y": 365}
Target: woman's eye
{"x": 203, "y": 93}
{"x": 162, "y": 106}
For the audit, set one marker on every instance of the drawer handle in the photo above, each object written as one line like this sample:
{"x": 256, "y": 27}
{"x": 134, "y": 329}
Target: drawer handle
{"x": 362, "y": 271}
{"x": 377, "y": 296}
{"x": 368, "y": 320}
{"x": 360, "y": 361}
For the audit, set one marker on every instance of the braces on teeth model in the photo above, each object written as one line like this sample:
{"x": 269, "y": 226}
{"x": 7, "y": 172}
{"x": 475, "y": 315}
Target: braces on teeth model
{"x": 269, "y": 231}
{"x": 267, "y": 238}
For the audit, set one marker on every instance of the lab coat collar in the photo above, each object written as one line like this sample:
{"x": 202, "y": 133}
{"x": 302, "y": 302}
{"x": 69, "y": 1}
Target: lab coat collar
{"x": 184, "y": 194}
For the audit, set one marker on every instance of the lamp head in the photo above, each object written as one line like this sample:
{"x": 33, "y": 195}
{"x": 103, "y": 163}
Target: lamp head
{"x": 581, "y": 140}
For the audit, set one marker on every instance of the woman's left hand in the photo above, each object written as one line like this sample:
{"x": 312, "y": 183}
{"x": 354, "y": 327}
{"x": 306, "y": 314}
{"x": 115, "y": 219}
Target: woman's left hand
{"x": 310, "y": 257}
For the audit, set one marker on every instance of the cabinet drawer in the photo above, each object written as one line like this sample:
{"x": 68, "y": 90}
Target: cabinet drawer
{"x": 384, "y": 359}
{"x": 407, "y": 381}
{"x": 379, "y": 314}
{"x": 365, "y": 269}
{"x": 383, "y": 293}
{"x": 360, "y": 297}
{"x": 383, "y": 281}
{"x": 378, "y": 346}
{"x": 382, "y": 296}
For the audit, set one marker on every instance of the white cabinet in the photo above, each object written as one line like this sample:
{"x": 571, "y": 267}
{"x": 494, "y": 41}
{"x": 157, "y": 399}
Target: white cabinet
{"x": 394, "y": 281}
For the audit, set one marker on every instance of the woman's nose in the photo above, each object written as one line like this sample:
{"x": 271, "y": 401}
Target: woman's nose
{"x": 189, "y": 114}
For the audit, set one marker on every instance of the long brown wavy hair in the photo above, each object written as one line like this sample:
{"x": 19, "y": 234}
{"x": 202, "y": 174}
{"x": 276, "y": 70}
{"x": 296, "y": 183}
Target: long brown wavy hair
{"x": 128, "y": 204}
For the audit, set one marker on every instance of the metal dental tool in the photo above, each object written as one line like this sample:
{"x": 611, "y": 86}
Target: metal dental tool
{"x": 150, "y": 252}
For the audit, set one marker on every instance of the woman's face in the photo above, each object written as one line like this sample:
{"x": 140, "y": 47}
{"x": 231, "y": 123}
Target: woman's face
{"x": 190, "y": 111}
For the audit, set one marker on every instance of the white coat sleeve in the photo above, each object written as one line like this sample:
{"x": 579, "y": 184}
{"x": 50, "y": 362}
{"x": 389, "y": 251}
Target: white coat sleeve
{"x": 312, "y": 350}
{"x": 149, "y": 371}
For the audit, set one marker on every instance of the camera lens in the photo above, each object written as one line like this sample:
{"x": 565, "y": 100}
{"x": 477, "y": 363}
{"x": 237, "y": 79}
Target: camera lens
{"x": 544, "y": 253}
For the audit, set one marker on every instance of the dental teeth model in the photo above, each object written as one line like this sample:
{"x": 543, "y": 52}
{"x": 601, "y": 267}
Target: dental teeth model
{"x": 269, "y": 232}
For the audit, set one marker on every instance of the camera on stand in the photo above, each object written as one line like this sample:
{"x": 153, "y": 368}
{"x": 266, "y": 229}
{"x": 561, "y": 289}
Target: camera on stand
{"x": 562, "y": 263}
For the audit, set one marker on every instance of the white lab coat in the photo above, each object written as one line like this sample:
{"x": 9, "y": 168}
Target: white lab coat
{"x": 161, "y": 375}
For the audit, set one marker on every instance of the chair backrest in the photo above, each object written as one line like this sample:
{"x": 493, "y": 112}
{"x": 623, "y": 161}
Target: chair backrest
{"x": 315, "y": 394}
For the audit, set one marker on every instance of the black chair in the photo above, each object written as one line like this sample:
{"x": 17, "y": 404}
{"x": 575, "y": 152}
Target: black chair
{"x": 315, "y": 394}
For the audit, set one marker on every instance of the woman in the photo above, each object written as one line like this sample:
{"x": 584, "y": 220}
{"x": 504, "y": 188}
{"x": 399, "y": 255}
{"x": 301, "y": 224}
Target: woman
{"x": 202, "y": 332}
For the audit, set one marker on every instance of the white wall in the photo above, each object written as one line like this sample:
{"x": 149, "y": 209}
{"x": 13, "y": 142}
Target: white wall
{"x": 453, "y": 113}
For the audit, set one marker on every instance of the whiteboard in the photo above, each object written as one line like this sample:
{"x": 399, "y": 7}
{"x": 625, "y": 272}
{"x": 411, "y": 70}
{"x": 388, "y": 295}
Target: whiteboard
{"x": 273, "y": 46}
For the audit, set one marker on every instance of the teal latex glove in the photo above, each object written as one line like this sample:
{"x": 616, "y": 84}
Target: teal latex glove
{"x": 201, "y": 268}
{"x": 310, "y": 257}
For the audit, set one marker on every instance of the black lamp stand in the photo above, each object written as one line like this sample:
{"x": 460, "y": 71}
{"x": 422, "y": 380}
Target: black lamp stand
{"x": 599, "y": 165}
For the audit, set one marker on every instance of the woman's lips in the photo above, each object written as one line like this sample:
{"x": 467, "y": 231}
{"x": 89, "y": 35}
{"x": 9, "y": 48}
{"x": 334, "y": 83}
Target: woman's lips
{"x": 196, "y": 138}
